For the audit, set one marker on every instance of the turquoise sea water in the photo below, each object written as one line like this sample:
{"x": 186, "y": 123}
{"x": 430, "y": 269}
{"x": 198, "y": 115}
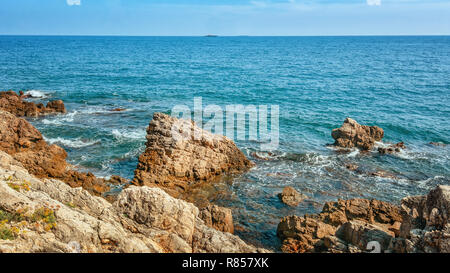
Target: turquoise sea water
{"x": 401, "y": 84}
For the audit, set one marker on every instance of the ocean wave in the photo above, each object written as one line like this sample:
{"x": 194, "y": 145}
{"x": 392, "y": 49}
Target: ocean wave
{"x": 433, "y": 181}
{"x": 72, "y": 143}
{"x": 60, "y": 119}
{"x": 121, "y": 134}
{"x": 37, "y": 94}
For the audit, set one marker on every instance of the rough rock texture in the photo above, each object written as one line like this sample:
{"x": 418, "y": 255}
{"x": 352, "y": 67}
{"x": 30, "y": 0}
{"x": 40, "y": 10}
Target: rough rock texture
{"x": 291, "y": 197}
{"x": 218, "y": 217}
{"x": 352, "y": 134}
{"x": 312, "y": 233}
{"x": 47, "y": 215}
{"x": 20, "y": 139}
{"x": 25, "y": 143}
{"x": 13, "y": 103}
{"x": 420, "y": 225}
{"x": 176, "y": 161}
{"x": 426, "y": 225}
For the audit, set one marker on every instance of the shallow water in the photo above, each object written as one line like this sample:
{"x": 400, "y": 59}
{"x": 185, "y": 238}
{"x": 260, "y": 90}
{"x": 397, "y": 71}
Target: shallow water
{"x": 401, "y": 84}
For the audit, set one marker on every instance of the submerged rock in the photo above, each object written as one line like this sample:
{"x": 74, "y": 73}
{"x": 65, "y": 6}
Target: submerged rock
{"x": 58, "y": 218}
{"x": 291, "y": 197}
{"x": 179, "y": 154}
{"x": 13, "y": 103}
{"x": 352, "y": 135}
{"x": 118, "y": 110}
{"x": 393, "y": 148}
{"x": 438, "y": 144}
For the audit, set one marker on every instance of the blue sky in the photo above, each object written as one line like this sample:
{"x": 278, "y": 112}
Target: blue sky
{"x": 225, "y": 17}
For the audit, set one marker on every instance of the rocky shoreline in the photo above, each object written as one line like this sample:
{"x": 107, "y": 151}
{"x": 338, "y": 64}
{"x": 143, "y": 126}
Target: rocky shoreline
{"x": 46, "y": 205}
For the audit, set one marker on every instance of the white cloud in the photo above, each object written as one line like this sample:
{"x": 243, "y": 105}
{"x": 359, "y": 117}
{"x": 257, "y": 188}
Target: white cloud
{"x": 73, "y": 2}
{"x": 374, "y": 2}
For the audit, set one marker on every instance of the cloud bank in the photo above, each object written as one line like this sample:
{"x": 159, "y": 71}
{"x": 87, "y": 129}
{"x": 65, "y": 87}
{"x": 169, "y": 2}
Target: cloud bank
{"x": 74, "y": 2}
{"x": 374, "y": 2}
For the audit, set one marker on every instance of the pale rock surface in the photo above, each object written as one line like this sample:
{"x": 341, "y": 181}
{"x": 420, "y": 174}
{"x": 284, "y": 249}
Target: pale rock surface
{"x": 141, "y": 220}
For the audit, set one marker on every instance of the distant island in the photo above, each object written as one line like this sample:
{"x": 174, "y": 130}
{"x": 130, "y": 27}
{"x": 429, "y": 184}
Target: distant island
{"x": 211, "y": 35}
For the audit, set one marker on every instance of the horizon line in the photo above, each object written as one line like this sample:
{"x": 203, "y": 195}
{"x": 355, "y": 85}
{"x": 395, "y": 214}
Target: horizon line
{"x": 218, "y": 35}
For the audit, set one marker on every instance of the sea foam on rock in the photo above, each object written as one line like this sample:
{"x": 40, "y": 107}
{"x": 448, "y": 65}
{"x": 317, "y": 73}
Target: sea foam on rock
{"x": 10, "y": 101}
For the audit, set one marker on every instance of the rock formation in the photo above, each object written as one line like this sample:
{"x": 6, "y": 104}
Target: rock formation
{"x": 317, "y": 233}
{"x": 426, "y": 223}
{"x": 217, "y": 217}
{"x": 352, "y": 134}
{"x": 13, "y": 103}
{"x": 420, "y": 225}
{"x": 25, "y": 143}
{"x": 179, "y": 154}
{"x": 291, "y": 197}
{"x": 47, "y": 215}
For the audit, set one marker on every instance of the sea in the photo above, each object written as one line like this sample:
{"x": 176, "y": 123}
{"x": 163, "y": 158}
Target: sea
{"x": 399, "y": 83}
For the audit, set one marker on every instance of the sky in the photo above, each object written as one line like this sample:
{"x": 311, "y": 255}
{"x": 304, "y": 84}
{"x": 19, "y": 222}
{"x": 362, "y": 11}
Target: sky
{"x": 225, "y": 17}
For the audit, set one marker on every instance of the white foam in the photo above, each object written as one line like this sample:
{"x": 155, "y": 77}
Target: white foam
{"x": 38, "y": 94}
{"x": 72, "y": 143}
{"x": 353, "y": 153}
{"x": 60, "y": 119}
{"x": 121, "y": 134}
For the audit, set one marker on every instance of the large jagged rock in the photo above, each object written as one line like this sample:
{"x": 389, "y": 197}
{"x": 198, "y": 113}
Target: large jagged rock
{"x": 176, "y": 158}
{"x": 11, "y": 102}
{"x": 25, "y": 143}
{"x": 47, "y": 215}
{"x": 352, "y": 134}
{"x": 311, "y": 233}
